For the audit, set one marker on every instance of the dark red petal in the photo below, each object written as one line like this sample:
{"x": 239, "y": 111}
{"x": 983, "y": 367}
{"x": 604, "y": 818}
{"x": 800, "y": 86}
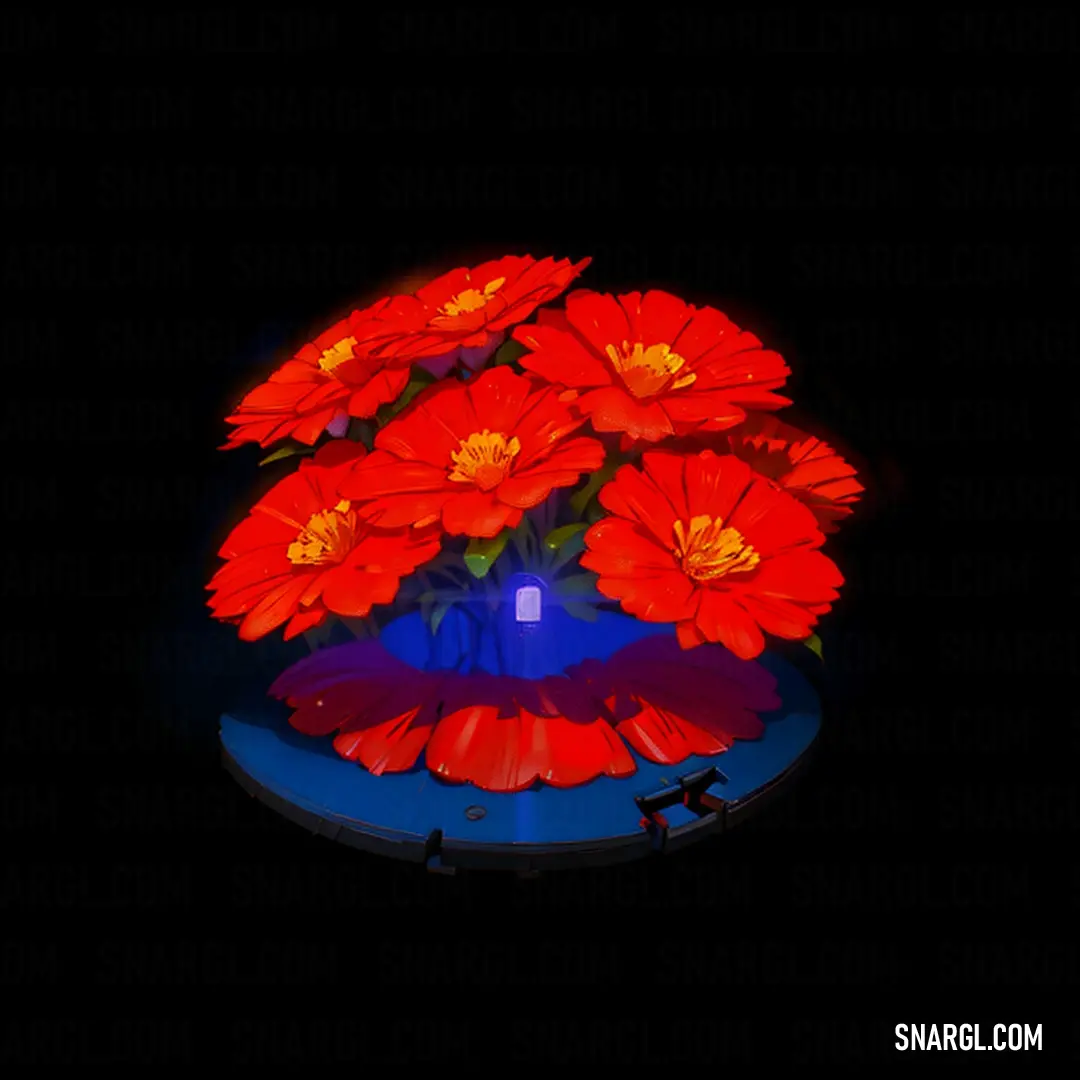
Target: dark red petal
{"x": 390, "y": 747}
{"x": 337, "y": 453}
{"x": 666, "y": 739}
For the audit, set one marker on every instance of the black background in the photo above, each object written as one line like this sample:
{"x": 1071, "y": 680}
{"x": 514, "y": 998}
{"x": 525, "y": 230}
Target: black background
{"x": 885, "y": 199}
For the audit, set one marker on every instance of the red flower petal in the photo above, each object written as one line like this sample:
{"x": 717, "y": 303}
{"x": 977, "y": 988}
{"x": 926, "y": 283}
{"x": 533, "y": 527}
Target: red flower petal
{"x": 560, "y": 358}
{"x": 336, "y": 453}
{"x": 665, "y": 739}
{"x": 656, "y": 316}
{"x": 384, "y": 474}
{"x": 432, "y": 429}
{"x": 598, "y": 318}
{"x": 721, "y": 619}
{"x": 303, "y": 620}
{"x": 508, "y": 754}
{"x": 254, "y": 532}
{"x": 497, "y": 399}
{"x": 657, "y": 597}
{"x": 391, "y": 747}
{"x": 614, "y": 409}
{"x": 691, "y": 410}
{"x": 402, "y": 511}
{"x": 276, "y": 607}
{"x": 802, "y": 576}
{"x": 801, "y": 464}
{"x": 635, "y": 495}
{"x": 617, "y": 547}
{"x": 477, "y": 513}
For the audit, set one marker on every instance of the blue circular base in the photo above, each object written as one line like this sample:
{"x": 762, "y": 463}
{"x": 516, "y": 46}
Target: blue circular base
{"x": 417, "y": 817}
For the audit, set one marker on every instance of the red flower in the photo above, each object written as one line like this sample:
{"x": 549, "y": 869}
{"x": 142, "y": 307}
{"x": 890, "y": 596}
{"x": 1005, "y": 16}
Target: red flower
{"x": 702, "y": 542}
{"x": 303, "y": 551}
{"x": 503, "y": 734}
{"x": 330, "y": 379}
{"x": 801, "y": 464}
{"x": 653, "y": 366}
{"x": 474, "y": 454}
{"x": 464, "y": 314}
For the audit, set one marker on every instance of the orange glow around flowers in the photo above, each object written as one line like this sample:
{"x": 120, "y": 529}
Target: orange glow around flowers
{"x": 801, "y": 464}
{"x": 304, "y": 551}
{"x": 653, "y": 366}
{"x": 464, "y": 314}
{"x": 333, "y": 377}
{"x": 701, "y": 541}
{"x": 473, "y": 456}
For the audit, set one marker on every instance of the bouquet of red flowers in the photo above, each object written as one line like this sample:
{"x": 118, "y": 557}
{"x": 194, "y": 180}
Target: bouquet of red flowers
{"x": 613, "y": 454}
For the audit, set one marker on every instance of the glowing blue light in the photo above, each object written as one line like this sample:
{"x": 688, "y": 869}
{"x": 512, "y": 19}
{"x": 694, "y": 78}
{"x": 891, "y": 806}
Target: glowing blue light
{"x": 527, "y": 604}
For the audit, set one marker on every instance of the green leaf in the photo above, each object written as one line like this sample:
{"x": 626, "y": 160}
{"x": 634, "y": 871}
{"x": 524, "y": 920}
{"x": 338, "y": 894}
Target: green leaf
{"x": 361, "y": 431}
{"x": 361, "y": 628}
{"x": 523, "y": 539}
{"x": 570, "y": 550}
{"x": 446, "y": 565}
{"x": 287, "y": 451}
{"x": 508, "y": 353}
{"x": 581, "y": 499}
{"x": 557, "y": 537}
{"x": 419, "y": 380}
{"x": 813, "y": 643}
{"x": 499, "y": 572}
{"x": 578, "y": 610}
{"x": 576, "y": 585}
{"x": 480, "y": 555}
{"x": 439, "y": 613}
{"x": 319, "y": 635}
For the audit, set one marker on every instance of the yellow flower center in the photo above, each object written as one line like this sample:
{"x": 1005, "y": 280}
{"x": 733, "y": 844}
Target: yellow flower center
{"x": 484, "y": 459}
{"x": 469, "y": 300}
{"x": 327, "y": 538}
{"x": 338, "y": 354}
{"x": 707, "y": 550}
{"x": 646, "y": 370}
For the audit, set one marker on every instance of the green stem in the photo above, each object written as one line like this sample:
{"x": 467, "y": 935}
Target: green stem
{"x": 580, "y": 501}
